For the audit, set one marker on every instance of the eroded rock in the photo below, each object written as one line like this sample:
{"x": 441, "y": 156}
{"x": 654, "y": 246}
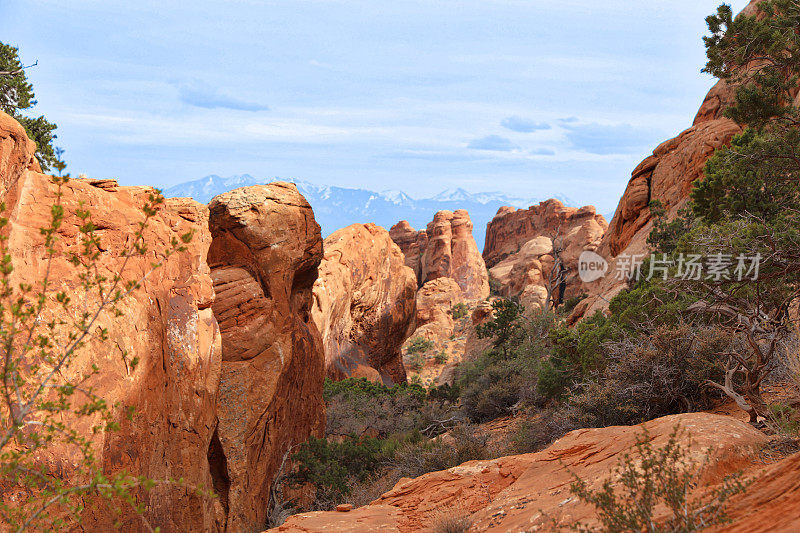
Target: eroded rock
{"x": 364, "y": 304}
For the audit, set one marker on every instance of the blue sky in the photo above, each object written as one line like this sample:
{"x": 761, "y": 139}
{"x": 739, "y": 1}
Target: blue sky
{"x": 533, "y": 98}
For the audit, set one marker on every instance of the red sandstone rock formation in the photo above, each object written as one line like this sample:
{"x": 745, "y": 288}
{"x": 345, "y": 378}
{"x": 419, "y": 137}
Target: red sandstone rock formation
{"x": 446, "y": 249}
{"x": 510, "y": 493}
{"x": 216, "y": 405}
{"x": 435, "y": 301}
{"x": 364, "y": 304}
{"x": 521, "y": 246}
{"x": 412, "y": 243}
{"x": 168, "y": 325}
{"x": 667, "y": 176}
{"x": 264, "y": 257}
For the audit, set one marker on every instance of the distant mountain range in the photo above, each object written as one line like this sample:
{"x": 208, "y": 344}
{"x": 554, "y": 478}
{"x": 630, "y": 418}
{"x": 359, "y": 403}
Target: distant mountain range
{"x": 337, "y": 207}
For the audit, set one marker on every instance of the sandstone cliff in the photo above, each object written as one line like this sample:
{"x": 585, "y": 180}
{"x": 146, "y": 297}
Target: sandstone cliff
{"x": 364, "y": 304}
{"x": 522, "y": 246}
{"x": 667, "y": 176}
{"x": 446, "y": 249}
{"x": 264, "y": 257}
{"x": 230, "y": 366}
{"x": 168, "y": 325}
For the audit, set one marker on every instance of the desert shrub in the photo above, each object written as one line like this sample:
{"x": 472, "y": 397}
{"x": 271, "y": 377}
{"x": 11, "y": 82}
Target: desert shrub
{"x": 419, "y": 345}
{"x": 784, "y": 419}
{"x": 547, "y": 427}
{"x": 459, "y": 311}
{"x": 463, "y": 443}
{"x": 414, "y": 361}
{"x": 332, "y": 467}
{"x": 647, "y": 376}
{"x": 505, "y": 325}
{"x": 351, "y": 387}
{"x": 569, "y": 304}
{"x": 441, "y": 358}
{"x": 505, "y": 377}
{"x": 451, "y": 520}
{"x": 652, "y": 477}
{"x": 490, "y": 387}
{"x": 359, "y": 469}
{"x": 359, "y": 406}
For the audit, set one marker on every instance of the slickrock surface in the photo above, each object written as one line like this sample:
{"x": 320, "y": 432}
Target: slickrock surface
{"x": 509, "y": 494}
{"x": 264, "y": 257}
{"x": 364, "y": 304}
{"x": 446, "y": 249}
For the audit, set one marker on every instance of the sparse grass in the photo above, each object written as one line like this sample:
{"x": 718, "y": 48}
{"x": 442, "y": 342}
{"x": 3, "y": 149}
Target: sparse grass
{"x": 441, "y": 358}
{"x": 451, "y": 520}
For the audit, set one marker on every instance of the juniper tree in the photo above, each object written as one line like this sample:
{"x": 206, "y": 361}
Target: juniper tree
{"x": 17, "y": 97}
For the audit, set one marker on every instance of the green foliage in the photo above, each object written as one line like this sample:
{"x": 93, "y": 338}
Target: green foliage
{"x": 362, "y": 387}
{"x": 504, "y": 324}
{"x": 415, "y": 458}
{"x": 414, "y": 361}
{"x": 750, "y": 178}
{"x": 333, "y": 466}
{"x": 459, "y": 311}
{"x": 337, "y": 467}
{"x": 765, "y": 93}
{"x": 441, "y": 358}
{"x": 48, "y": 405}
{"x": 419, "y": 345}
{"x": 648, "y": 375}
{"x": 653, "y": 477}
{"x": 569, "y": 304}
{"x": 506, "y": 376}
{"x": 664, "y": 236}
{"x": 16, "y": 95}
{"x": 785, "y": 419}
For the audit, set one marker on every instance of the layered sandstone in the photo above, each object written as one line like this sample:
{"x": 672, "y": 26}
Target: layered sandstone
{"x": 230, "y": 368}
{"x": 527, "y": 492}
{"x": 264, "y": 259}
{"x": 533, "y": 253}
{"x": 167, "y": 325}
{"x": 446, "y": 249}
{"x": 364, "y": 304}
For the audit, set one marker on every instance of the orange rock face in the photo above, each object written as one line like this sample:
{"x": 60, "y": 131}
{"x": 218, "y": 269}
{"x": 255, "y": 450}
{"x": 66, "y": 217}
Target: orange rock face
{"x": 521, "y": 246}
{"x": 230, "y": 366}
{"x": 435, "y": 301}
{"x": 511, "y": 228}
{"x": 446, "y": 249}
{"x": 264, "y": 257}
{"x": 668, "y": 174}
{"x": 511, "y": 493}
{"x": 168, "y": 325}
{"x": 412, "y": 243}
{"x": 364, "y": 304}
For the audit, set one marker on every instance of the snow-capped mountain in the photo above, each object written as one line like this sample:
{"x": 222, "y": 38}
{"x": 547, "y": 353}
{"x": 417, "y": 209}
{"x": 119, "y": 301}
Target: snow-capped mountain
{"x": 337, "y": 207}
